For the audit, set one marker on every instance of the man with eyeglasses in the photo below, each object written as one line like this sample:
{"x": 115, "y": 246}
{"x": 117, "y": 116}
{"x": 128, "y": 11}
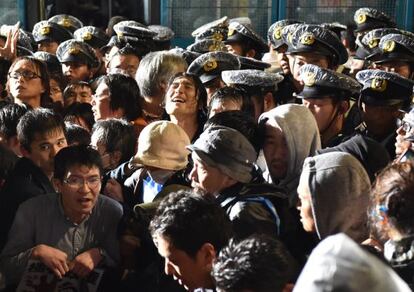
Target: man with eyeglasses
{"x": 72, "y": 232}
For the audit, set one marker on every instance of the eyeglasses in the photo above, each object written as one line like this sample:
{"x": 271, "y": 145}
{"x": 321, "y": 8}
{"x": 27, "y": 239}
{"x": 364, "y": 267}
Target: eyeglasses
{"x": 78, "y": 182}
{"x": 406, "y": 126}
{"x": 26, "y": 74}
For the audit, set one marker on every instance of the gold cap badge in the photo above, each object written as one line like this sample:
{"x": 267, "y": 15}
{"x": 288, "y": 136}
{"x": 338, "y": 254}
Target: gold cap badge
{"x": 309, "y": 78}
{"x": 373, "y": 43}
{"x": 231, "y": 32}
{"x": 44, "y": 30}
{"x": 65, "y": 22}
{"x": 307, "y": 39}
{"x": 277, "y": 34}
{"x": 74, "y": 51}
{"x": 389, "y": 46}
{"x": 87, "y": 36}
{"x": 379, "y": 84}
{"x": 217, "y": 36}
{"x": 361, "y": 18}
{"x": 210, "y": 65}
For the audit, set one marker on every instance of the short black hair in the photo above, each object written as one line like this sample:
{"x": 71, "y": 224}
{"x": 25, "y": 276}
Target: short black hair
{"x": 188, "y": 220}
{"x": 234, "y": 93}
{"x": 75, "y": 134}
{"x": 9, "y": 118}
{"x": 124, "y": 94}
{"x": 80, "y": 110}
{"x": 116, "y": 135}
{"x": 39, "y": 121}
{"x": 241, "y": 122}
{"x": 258, "y": 263}
{"x": 76, "y": 155}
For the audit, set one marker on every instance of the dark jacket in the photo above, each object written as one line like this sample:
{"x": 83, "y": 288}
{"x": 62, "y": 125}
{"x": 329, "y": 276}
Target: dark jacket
{"x": 26, "y": 181}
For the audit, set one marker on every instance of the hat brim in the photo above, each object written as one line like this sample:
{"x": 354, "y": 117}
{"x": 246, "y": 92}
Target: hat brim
{"x": 207, "y": 78}
{"x": 146, "y": 161}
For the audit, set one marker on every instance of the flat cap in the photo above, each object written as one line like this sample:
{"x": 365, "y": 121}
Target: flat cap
{"x": 250, "y": 77}
{"x": 370, "y": 18}
{"x": 385, "y": 88}
{"x": 228, "y": 150}
{"x": 210, "y": 65}
{"x": 274, "y": 34}
{"x": 320, "y": 83}
{"x": 49, "y": 31}
{"x": 313, "y": 38}
{"x": 93, "y": 36}
{"x": 69, "y": 22}
{"x": 241, "y": 33}
{"x": 76, "y": 51}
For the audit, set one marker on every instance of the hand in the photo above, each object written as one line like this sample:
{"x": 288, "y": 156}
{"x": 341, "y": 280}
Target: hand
{"x": 85, "y": 262}
{"x": 53, "y": 258}
{"x": 9, "y": 51}
{"x": 113, "y": 189}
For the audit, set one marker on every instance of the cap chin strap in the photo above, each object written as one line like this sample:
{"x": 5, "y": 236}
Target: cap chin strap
{"x": 322, "y": 132}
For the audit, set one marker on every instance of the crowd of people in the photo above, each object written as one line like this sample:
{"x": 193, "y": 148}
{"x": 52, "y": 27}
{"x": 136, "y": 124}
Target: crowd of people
{"x": 129, "y": 165}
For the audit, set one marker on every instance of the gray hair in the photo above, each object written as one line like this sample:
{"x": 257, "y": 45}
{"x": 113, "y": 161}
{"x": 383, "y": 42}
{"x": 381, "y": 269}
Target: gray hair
{"x": 157, "y": 68}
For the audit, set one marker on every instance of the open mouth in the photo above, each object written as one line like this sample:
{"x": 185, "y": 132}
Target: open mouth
{"x": 85, "y": 201}
{"x": 178, "y": 100}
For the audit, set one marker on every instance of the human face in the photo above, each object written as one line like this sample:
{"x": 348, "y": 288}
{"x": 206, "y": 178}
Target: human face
{"x": 79, "y": 200}
{"x": 181, "y": 97}
{"x": 207, "y": 178}
{"x": 106, "y": 157}
{"x": 74, "y": 71}
{"x": 48, "y": 46}
{"x": 379, "y": 119}
{"x": 235, "y": 49}
{"x": 218, "y": 106}
{"x": 399, "y": 67}
{"x": 190, "y": 272}
{"x": 129, "y": 63}
{"x": 283, "y": 59}
{"x": 79, "y": 93}
{"x": 322, "y": 109}
{"x": 100, "y": 103}
{"x": 276, "y": 151}
{"x": 307, "y": 58}
{"x": 44, "y": 148}
{"x": 26, "y": 89}
{"x": 55, "y": 91}
{"x": 212, "y": 87}
{"x": 305, "y": 204}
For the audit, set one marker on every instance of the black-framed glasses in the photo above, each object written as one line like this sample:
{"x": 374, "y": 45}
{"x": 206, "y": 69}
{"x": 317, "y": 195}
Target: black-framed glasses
{"x": 26, "y": 74}
{"x": 78, "y": 182}
{"x": 406, "y": 126}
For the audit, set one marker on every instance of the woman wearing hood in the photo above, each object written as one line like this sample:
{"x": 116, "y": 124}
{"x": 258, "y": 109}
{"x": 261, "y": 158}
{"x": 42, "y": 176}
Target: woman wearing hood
{"x": 334, "y": 196}
{"x": 291, "y": 135}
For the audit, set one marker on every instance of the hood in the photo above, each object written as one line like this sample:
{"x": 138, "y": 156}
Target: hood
{"x": 302, "y": 138}
{"x": 339, "y": 264}
{"x": 339, "y": 188}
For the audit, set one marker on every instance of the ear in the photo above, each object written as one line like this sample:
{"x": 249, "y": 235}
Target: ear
{"x": 268, "y": 102}
{"x": 57, "y": 184}
{"x": 251, "y": 53}
{"x": 207, "y": 254}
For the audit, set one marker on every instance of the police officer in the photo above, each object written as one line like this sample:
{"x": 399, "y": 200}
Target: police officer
{"x": 368, "y": 19}
{"x": 207, "y": 45}
{"x": 242, "y": 40}
{"x": 313, "y": 44}
{"x": 261, "y": 87}
{"x": 382, "y": 97}
{"x": 209, "y": 67}
{"x": 48, "y": 35}
{"x": 396, "y": 54}
{"x": 280, "y": 46}
{"x": 368, "y": 46}
{"x": 327, "y": 94}
{"x": 96, "y": 38}
{"x": 78, "y": 60}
